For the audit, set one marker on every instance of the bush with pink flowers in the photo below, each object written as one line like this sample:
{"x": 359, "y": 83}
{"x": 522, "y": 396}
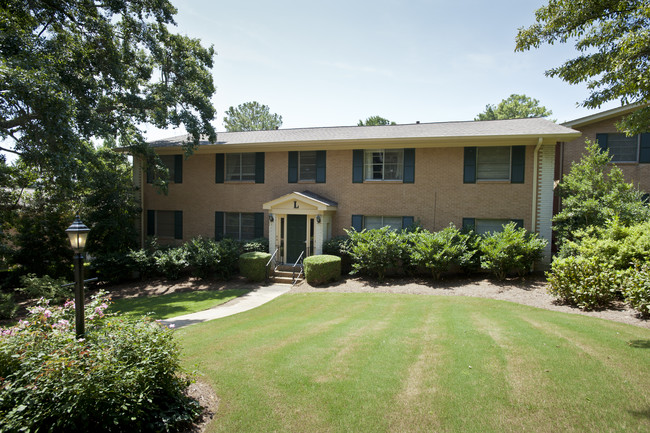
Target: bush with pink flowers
{"x": 123, "y": 375}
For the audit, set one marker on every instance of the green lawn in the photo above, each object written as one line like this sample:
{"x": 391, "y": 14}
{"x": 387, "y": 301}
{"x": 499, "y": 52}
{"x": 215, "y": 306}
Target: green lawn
{"x": 175, "y": 304}
{"x": 329, "y": 362}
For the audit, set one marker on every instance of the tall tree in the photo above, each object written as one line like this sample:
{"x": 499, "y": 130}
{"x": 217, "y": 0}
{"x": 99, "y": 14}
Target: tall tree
{"x": 73, "y": 70}
{"x": 251, "y": 116}
{"x": 614, "y": 45}
{"x": 375, "y": 121}
{"x": 514, "y": 107}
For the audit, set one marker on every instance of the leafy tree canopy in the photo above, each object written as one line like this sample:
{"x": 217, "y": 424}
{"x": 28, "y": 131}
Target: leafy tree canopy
{"x": 594, "y": 193}
{"x": 375, "y": 121}
{"x": 514, "y": 107}
{"x": 73, "y": 70}
{"x": 251, "y": 116}
{"x": 613, "y": 39}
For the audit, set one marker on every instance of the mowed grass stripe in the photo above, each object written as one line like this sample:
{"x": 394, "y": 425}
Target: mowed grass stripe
{"x": 382, "y": 362}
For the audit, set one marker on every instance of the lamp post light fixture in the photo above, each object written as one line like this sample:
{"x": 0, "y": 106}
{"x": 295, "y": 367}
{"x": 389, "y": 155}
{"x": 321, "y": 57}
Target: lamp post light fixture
{"x": 78, "y": 233}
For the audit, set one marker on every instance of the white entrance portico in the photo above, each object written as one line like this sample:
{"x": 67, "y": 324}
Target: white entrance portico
{"x": 299, "y": 222}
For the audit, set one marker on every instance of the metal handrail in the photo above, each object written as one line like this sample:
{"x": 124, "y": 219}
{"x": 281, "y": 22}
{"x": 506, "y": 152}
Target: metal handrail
{"x": 293, "y": 275}
{"x": 271, "y": 260}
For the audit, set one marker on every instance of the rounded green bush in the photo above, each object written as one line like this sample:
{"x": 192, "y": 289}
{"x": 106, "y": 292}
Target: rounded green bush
{"x": 253, "y": 265}
{"x": 322, "y": 269}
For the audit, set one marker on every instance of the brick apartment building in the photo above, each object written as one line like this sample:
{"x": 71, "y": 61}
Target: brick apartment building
{"x": 299, "y": 187}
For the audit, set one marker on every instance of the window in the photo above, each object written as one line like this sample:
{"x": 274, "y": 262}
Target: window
{"x": 240, "y": 167}
{"x": 240, "y": 226}
{"x": 377, "y": 222}
{"x": 383, "y": 164}
{"x": 360, "y": 222}
{"x": 502, "y": 163}
{"x": 307, "y": 165}
{"x": 166, "y": 224}
{"x": 493, "y": 163}
{"x": 485, "y": 225}
{"x": 621, "y": 147}
{"x": 173, "y": 163}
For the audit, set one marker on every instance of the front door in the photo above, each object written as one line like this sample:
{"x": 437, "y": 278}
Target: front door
{"x": 296, "y": 236}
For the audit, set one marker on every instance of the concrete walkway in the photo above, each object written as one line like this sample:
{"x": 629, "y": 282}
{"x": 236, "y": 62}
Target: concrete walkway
{"x": 247, "y": 302}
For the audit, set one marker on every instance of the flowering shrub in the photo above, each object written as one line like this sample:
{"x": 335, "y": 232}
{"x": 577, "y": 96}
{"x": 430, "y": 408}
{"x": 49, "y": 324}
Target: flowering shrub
{"x": 122, "y": 376}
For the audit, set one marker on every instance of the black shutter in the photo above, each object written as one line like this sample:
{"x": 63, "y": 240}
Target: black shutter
{"x": 218, "y": 225}
{"x": 469, "y": 223}
{"x": 518, "y": 164}
{"x": 357, "y": 222}
{"x": 602, "y": 141}
{"x": 259, "y": 224}
{"x": 178, "y": 224}
{"x": 409, "y": 165}
{"x": 178, "y": 168}
{"x": 407, "y": 221}
{"x": 151, "y": 223}
{"x": 259, "y": 167}
{"x": 357, "y": 166}
{"x": 469, "y": 165}
{"x": 321, "y": 158}
{"x": 293, "y": 167}
{"x": 220, "y": 170}
{"x": 644, "y": 154}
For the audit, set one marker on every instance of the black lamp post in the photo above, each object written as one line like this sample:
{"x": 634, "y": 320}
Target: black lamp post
{"x": 78, "y": 233}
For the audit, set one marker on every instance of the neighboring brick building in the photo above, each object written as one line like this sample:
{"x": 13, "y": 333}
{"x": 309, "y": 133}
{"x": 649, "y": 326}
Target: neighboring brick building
{"x": 299, "y": 187}
{"x": 631, "y": 154}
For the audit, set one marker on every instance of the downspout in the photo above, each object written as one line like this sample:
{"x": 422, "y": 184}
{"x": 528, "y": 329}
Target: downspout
{"x": 533, "y": 225}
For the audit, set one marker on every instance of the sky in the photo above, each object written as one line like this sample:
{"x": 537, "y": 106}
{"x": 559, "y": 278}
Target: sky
{"x": 336, "y": 62}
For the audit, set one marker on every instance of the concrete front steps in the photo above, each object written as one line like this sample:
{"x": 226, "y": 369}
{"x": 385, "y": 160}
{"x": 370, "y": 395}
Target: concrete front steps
{"x": 284, "y": 274}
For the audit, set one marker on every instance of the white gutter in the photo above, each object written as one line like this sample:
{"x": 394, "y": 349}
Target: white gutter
{"x": 533, "y": 225}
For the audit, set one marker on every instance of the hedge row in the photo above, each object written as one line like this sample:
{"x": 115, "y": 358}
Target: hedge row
{"x": 383, "y": 252}
{"x": 199, "y": 257}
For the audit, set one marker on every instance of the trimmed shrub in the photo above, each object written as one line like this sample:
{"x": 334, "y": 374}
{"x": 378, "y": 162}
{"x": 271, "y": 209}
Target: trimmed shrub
{"x": 340, "y": 246}
{"x": 437, "y": 251}
{"x": 512, "y": 249}
{"x": 202, "y": 256}
{"x": 143, "y": 262}
{"x": 636, "y": 288}
{"x": 228, "y": 251}
{"x": 380, "y": 252}
{"x": 171, "y": 262}
{"x": 257, "y": 244}
{"x": 124, "y": 375}
{"x": 253, "y": 265}
{"x": 113, "y": 267}
{"x": 8, "y": 306}
{"x": 45, "y": 287}
{"x": 470, "y": 258}
{"x": 322, "y": 269}
{"x": 583, "y": 281}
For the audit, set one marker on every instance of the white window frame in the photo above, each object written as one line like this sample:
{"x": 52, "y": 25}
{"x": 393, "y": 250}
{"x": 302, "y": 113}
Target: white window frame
{"x": 491, "y": 222}
{"x": 382, "y": 224}
{"x": 369, "y": 165}
{"x": 238, "y": 174}
{"x": 615, "y": 135}
{"x": 239, "y": 216}
{"x": 478, "y": 164}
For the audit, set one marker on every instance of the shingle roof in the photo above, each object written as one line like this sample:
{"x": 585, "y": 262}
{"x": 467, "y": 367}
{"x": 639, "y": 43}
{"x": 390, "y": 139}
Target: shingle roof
{"x": 318, "y": 198}
{"x": 513, "y": 128}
